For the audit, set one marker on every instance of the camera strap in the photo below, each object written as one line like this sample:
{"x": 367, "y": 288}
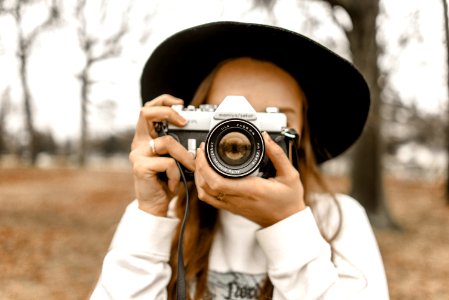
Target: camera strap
{"x": 180, "y": 281}
{"x": 181, "y": 292}
{"x": 292, "y": 138}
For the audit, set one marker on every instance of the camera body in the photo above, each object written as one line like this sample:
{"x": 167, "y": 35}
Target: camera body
{"x": 234, "y": 145}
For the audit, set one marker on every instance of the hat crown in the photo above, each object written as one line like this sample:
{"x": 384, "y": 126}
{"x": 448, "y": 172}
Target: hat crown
{"x": 337, "y": 95}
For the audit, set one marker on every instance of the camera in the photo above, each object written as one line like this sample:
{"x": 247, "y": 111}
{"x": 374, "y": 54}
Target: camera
{"x": 234, "y": 145}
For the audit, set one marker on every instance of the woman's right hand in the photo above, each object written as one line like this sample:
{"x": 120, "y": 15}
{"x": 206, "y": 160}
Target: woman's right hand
{"x": 152, "y": 193}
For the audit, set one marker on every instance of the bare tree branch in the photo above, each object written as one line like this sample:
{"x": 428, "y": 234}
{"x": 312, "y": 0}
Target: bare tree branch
{"x": 266, "y": 4}
{"x": 95, "y": 49}
{"x": 25, "y": 43}
{"x": 446, "y": 36}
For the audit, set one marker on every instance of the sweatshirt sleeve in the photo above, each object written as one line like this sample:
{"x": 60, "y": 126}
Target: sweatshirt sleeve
{"x": 136, "y": 265}
{"x": 300, "y": 262}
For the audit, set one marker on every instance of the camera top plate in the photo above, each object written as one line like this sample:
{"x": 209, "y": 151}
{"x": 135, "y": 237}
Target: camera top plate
{"x": 206, "y": 116}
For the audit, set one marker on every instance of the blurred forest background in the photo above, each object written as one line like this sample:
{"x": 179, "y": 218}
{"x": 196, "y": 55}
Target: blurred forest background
{"x": 69, "y": 97}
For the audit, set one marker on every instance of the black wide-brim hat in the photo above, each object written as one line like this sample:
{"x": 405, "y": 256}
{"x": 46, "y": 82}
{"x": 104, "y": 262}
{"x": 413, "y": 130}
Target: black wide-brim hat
{"x": 337, "y": 94}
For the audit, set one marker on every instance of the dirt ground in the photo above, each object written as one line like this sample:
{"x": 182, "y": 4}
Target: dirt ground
{"x": 55, "y": 227}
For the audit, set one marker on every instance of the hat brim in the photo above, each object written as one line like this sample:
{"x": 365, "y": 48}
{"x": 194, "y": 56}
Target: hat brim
{"x": 337, "y": 94}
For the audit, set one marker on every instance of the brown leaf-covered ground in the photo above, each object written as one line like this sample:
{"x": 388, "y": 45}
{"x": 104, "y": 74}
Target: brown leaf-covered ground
{"x": 55, "y": 226}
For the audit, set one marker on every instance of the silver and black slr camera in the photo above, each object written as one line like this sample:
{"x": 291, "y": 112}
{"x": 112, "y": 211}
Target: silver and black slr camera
{"x": 232, "y": 134}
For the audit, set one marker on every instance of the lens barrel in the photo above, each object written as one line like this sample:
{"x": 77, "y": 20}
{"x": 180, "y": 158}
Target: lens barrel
{"x": 235, "y": 148}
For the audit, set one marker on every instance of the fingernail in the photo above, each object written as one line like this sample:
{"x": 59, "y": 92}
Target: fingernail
{"x": 267, "y": 136}
{"x": 202, "y": 145}
{"x": 183, "y": 121}
{"x": 198, "y": 151}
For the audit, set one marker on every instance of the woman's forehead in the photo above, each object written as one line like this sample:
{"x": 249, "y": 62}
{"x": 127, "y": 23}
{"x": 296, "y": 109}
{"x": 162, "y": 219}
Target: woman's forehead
{"x": 262, "y": 83}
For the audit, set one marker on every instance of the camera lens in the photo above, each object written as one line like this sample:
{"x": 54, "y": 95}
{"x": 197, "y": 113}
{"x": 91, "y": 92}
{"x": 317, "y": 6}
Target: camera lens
{"x": 234, "y": 148}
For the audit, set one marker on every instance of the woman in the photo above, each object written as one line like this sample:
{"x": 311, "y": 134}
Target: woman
{"x": 283, "y": 237}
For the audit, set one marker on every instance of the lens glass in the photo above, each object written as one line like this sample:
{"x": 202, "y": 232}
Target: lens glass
{"x": 234, "y": 148}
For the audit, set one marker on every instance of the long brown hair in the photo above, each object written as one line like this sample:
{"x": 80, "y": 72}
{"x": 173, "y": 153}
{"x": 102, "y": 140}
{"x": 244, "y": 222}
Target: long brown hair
{"x": 201, "y": 227}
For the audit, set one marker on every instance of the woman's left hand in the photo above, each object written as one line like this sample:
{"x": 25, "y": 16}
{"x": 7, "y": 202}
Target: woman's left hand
{"x": 263, "y": 201}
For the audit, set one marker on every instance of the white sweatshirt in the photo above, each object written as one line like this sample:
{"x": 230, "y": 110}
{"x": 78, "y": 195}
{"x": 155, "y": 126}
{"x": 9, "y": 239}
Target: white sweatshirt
{"x": 291, "y": 252}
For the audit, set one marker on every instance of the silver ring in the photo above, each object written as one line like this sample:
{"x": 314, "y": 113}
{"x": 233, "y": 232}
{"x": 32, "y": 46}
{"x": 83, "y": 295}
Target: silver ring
{"x": 220, "y": 196}
{"x": 152, "y": 145}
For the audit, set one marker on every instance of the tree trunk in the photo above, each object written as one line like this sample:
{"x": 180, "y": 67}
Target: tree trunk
{"x": 4, "y": 110}
{"x": 29, "y": 122}
{"x": 25, "y": 43}
{"x": 446, "y": 35}
{"x": 110, "y": 46}
{"x": 367, "y": 170}
{"x": 84, "y": 111}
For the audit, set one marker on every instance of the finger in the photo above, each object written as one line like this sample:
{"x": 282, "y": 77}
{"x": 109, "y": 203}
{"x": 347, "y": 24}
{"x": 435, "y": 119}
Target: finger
{"x": 277, "y": 156}
{"x": 145, "y": 168}
{"x": 234, "y": 188}
{"x": 142, "y": 131}
{"x": 165, "y": 145}
{"x": 204, "y": 194}
{"x": 162, "y": 113}
{"x": 202, "y": 186}
{"x": 164, "y": 100}
{"x": 212, "y": 200}
{"x": 149, "y": 114}
{"x": 174, "y": 177}
{"x": 207, "y": 174}
{"x": 214, "y": 183}
{"x": 168, "y": 145}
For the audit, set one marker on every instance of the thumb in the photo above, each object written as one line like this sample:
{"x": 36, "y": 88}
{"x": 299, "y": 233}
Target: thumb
{"x": 277, "y": 155}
